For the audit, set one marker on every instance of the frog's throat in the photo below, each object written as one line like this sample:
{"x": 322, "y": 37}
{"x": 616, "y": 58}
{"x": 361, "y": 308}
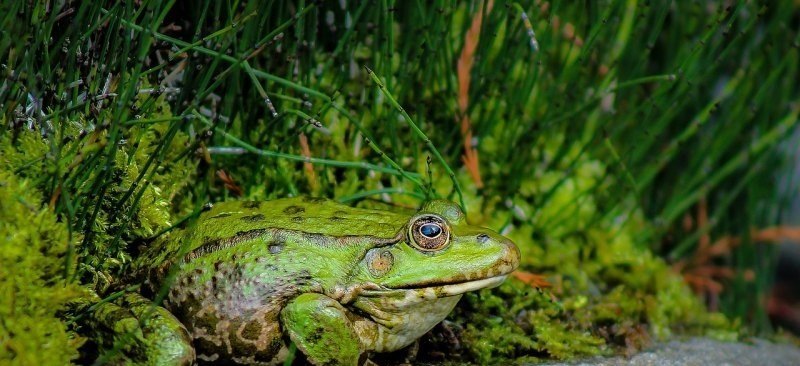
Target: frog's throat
{"x": 437, "y": 291}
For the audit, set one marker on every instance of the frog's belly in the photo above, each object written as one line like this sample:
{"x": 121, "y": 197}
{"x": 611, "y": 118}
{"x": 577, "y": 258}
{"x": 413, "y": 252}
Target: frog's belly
{"x": 394, "y": 324}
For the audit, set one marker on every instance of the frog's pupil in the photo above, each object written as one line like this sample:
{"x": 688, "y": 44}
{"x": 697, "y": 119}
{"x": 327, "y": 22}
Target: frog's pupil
{"x": 430, "y": 230}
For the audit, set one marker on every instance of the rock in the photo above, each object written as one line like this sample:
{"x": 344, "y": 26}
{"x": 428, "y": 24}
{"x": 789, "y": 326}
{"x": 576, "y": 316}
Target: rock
{"x": 702, "y": 351}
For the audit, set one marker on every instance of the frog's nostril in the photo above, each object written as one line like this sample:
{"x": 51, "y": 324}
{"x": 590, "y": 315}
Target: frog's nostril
{"x": 482, "y": 238}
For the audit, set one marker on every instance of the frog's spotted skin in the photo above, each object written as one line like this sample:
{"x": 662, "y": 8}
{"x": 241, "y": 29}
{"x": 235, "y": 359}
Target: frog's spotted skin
{"x": 338, "y": 281}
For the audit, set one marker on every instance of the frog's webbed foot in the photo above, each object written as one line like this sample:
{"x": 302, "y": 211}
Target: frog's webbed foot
{"x": 144, "y": 333}
{"x": 320, "y": 328}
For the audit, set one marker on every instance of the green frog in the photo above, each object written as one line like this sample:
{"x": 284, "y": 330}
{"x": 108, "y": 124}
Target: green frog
{"x": 251, "y": 279}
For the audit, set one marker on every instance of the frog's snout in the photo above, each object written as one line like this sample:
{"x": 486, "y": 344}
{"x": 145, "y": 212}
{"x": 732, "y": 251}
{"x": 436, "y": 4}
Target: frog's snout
{"x": 501, "y": 251}
{"x": 510, "y": 256}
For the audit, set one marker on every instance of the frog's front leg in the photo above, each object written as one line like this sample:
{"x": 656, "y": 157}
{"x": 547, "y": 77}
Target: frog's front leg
{"x": 148, "y": 334}
{"x": 320, "y": 328}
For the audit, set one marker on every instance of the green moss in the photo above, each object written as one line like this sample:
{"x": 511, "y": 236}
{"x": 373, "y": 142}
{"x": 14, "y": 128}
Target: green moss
{"x": 33, "y": 263}
{"x": 136, "y": 203}
{"x": 516, "y": 321}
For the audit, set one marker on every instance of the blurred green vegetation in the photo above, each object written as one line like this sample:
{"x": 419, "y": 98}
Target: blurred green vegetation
{"x": 615, "y": 141}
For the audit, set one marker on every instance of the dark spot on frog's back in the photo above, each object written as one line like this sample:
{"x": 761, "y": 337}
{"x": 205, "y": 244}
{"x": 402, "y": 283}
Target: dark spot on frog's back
{"x": 298, "y": 219}
{"x": 251, "y": 204}
{"x": 275, "y": 247}
{"x": 253, "y": 218}
{"x": 336, "y": 219}
{"x": 293, "y": 210}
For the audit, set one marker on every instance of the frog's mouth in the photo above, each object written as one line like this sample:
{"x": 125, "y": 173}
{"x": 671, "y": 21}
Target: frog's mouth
{"x": 430, "y": 292}
{"x": 467, "y": 286}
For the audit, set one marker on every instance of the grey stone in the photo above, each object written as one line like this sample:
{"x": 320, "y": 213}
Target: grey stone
{"x": 702, "y": 351}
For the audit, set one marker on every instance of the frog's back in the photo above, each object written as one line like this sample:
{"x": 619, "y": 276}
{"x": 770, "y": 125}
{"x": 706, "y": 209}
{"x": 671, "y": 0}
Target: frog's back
{"x": 316, "y": 216}
{"x": 229, "y": 223}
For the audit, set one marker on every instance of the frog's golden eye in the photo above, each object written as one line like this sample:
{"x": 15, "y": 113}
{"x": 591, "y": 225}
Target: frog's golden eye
{"x": 429, "y": 233}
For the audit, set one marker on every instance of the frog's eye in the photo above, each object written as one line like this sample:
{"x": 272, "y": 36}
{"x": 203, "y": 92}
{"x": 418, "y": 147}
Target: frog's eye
{"x": 429, "y": 233}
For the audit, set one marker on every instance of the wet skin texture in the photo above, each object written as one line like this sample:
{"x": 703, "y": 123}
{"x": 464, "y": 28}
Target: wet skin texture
{"x": 249, "y": 278}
